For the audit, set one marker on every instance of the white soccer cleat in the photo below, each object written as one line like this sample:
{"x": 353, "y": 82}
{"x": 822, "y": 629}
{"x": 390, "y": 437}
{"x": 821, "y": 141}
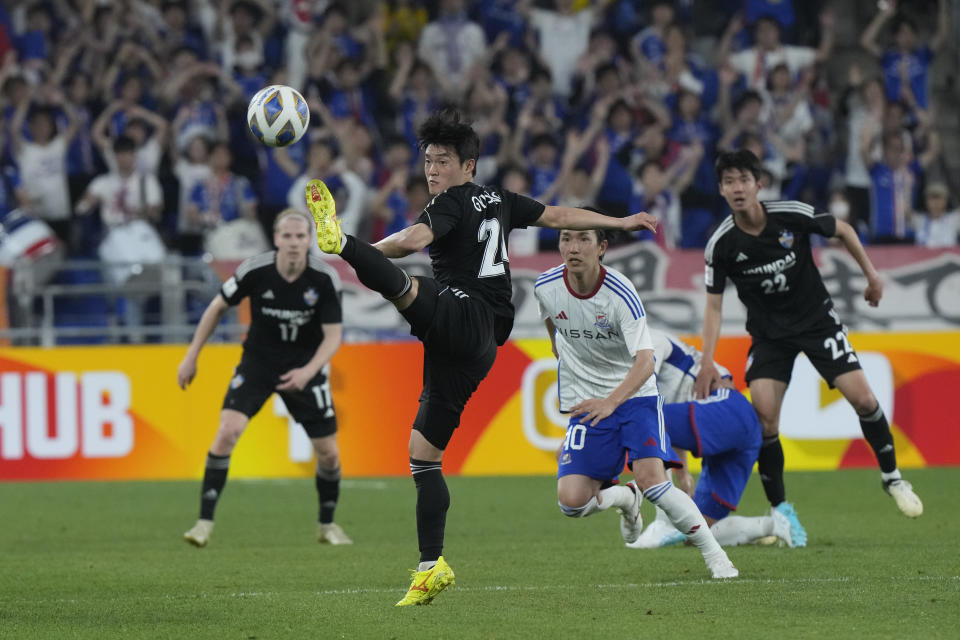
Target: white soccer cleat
{"x": 332, "y": 534}
{"x": 721, "y": 568}
{"x": 631, "y": 524}
{"x": 199, "y": 534}
{"x": 659, "y": 533}
{"x": 781, "y": 528}
{"x": 902, "y": 493}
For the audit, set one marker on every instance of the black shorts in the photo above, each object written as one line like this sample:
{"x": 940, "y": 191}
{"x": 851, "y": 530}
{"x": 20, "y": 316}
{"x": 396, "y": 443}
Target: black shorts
{"x": 254, "y": 380}
{"x": 825, "y": 344}
{"x": 458, "y": 351}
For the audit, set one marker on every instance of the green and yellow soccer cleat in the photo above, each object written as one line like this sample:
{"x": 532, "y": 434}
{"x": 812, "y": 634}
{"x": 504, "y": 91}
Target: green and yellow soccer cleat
{"x": 427, "y": 584}
{"x": 324, "y": 212}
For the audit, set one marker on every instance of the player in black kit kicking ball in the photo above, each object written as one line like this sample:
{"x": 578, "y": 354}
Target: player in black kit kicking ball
{"x": 294, "y": 331}
{"x": 764, "y": 248}
{"x": 461, "y": 315}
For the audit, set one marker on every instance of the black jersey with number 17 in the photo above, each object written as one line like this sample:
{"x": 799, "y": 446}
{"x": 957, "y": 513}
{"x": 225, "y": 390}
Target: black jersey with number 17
{"x": 286, "y": 318}
{"x": 774, "y": 272}
{"x": 470, "y": 225}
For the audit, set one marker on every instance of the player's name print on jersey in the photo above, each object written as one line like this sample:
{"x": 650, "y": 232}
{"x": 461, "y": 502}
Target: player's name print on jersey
{"x": 777, "y": 266}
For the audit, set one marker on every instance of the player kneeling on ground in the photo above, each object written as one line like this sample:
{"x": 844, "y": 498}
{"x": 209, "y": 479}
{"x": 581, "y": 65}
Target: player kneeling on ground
{"x": 723, "y": 430}
{"x": 295, "y": 330}
{"x": 599, "y": 333}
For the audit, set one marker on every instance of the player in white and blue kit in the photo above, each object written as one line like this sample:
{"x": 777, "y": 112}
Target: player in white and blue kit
{"x": 606, "y": 383}
{"x": 723, "y": 430}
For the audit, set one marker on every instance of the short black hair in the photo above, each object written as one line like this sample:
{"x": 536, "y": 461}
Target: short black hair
{"x": 769, "y": 19}
{"x": 543, "y": 139}
{"x": 903, "y": 21}
{"x": 747, "y": 96}
{"x": 739, "y": 160}
{"x": 124, "y": 144}
{"x": 446, "y": 129}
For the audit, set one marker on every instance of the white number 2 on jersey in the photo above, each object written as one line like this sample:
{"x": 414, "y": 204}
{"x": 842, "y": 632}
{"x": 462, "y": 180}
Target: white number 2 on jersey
{"x": 491, "y": 233}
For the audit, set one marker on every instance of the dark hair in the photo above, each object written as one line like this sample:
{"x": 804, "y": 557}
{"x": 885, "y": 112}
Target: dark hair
{"x": 903, "y": 21}
{"x": 124, "y": 144}
{"x": 540, "y": 73}
{"x": 445, "y": 128}
{"x": 44, "y": 111}
{"x": 745, "y": 97}
{"x": 769, "y": 20}
{"x": 739, "y": 160}
{"x": 605, "y": 68}
{"x": 395, "y": 140}
{"x": 543, "y": 139}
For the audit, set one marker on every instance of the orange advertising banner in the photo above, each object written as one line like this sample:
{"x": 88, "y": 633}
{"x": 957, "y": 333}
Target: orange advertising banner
{"x": 117, "y": 413}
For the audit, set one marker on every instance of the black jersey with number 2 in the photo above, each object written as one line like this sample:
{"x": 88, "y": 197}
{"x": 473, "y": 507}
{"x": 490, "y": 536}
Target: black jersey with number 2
{"x": 287, "y": 318}
{"x": 470, "y": 225}
{"x": 774, "y": 272}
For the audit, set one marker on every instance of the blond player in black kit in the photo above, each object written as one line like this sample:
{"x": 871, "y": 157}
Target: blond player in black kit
{"x": 295, "y": 329}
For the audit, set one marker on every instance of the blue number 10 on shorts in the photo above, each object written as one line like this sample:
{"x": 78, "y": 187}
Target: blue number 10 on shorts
{"x": 635, "y": 430}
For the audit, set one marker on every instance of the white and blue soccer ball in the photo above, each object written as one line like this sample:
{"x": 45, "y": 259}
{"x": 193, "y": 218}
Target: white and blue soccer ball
{"x": 278, "y": 115}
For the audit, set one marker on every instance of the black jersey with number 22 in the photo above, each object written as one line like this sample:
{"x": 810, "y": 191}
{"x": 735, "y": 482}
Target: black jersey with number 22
{"x": 470, "y": 225}
{"x": 774, "y": 272}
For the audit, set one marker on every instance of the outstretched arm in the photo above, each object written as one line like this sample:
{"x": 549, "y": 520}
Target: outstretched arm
{"x": 573, "y": 218}
{"x": 406, "y": 241}
{"x": 851, "y": 241}
{"x": 869, "y": 38}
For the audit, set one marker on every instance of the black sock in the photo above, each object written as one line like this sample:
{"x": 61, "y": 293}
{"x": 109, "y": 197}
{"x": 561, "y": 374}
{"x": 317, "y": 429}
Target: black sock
{"x": 876, "y": 431}
{"x": 433, "y": 500}
{"x": 374, "y": 269}
{"x": 770, "y": 466}
{"x": 328, "y": 491}
{"x": 214, "y": 479}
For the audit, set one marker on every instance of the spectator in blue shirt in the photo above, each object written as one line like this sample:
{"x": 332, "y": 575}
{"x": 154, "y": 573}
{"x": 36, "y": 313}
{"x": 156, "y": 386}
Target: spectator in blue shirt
{"x": 649, "y": 45}
{"x": 906, "y": 64}
{"x": 222, "y": 197}
{"x": 893, "y": 191}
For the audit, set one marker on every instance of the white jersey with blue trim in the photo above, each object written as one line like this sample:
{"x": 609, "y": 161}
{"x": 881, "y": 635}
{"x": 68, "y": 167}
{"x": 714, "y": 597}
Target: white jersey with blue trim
{"x": 597, "y": 335}
{"x": 677, "y": 366}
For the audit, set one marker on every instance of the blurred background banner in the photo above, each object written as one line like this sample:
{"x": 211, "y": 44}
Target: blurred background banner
{"x": 103, "y": 413}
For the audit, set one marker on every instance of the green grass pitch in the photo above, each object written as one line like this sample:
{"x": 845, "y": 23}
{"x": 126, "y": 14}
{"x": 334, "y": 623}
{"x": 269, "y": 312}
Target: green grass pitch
{"x": 106, "y": 560}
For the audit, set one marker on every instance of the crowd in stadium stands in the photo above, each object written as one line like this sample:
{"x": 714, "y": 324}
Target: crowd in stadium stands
{"x": 125, "y": 121}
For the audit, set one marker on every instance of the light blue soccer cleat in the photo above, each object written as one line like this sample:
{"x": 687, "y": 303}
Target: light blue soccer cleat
{"x": 798, "y": 535}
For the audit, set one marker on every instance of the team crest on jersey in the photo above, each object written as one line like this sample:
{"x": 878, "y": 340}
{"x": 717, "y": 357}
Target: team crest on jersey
{"x": 236, "y": 381}
{"x": 786, "y": 239}
{"x": 603, "y": 322}
{"x": 310, "y": 297}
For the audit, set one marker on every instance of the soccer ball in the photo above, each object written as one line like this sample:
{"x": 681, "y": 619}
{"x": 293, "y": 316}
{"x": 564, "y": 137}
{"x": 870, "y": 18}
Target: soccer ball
{"x": 278, "y": 115}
